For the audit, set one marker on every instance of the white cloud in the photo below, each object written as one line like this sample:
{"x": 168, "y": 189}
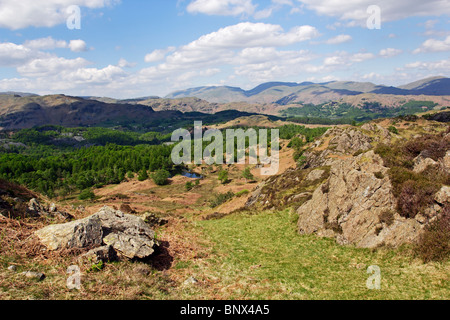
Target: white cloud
{"x": 45, "y": 44}
{"x": 106, "y": 75}
{"x": 390, "y": 52}
{"x": 241, "y": 44}
{"x": 49, "y": 44}
{"x": 360, "y": 57}
{"x": 355, "y": 11}
{"x": 342, "y": 38}
{"x": 344, "y": 59}
{"x": 77, "y": 45}
{"x": 433, "y": 45}
{"x": 125, "y": 64}
{"x": 247, "y": 34}
{"x": 222, "y": 7}
{"x": 158, "y": 55}
{"x": 441, "y": 66}
{"x": 50, "y": 66}
{"x": 12, "y": 55}
{"x": 263, "y": 14}
{"x": 31, "y": 13}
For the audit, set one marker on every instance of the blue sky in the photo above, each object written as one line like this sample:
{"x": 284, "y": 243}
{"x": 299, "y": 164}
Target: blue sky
{"x": 133, "y": 48}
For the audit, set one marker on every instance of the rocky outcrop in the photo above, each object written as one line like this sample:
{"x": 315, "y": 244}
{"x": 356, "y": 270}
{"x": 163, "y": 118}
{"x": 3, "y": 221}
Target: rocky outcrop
{"x": 356, "y": 206}
{"x": 128, "y": 235}
{"x": 37, "y": 210}
{"x": 83, "y": 233}
{"x": 343, "y": 142}
{"x": 349, "y": 141}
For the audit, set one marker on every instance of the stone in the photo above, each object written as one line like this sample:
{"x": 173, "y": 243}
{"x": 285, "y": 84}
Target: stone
{"x": 35, "y": 209}
{"x": 349, "y": 141}
{"x": 421, "y": 164}
{"x": 190, "y": 281}
{"x": 126, "y": 234}
{"x": 52, "y": 208}
{"x": 446, "y": 161}
{"x": 153, "y": 220}
{"x": 350, "y": 206}
{"x": 255, "y": 196}
{"x": 34, "y": 275}
{"x": 12, "y": 268}
{"x": 77, "y": 234}
{"x": 131, "y": 246}
{"x": 104, "y": 254}
{"x": 315, "y": 175}
{"x": 443, "y": 196}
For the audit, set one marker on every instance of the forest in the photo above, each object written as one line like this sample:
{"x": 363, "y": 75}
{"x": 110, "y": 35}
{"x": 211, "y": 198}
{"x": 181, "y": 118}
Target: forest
{"x": 58, "y": 161}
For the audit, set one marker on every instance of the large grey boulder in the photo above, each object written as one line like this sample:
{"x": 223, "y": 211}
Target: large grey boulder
{"x": 77, "y": 234}
{"x": 352, "y": 205}
{"x": 349, "y": 141}
{"x": 128, "y": 235}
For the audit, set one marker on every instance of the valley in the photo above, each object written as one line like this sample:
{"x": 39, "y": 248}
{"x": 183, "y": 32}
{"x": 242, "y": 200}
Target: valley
{"x": 221, "y": 239}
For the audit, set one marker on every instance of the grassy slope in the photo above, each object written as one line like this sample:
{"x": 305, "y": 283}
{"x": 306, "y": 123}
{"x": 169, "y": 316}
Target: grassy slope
{"x": 242, "y": 257}
{"x": 306, "y": 267}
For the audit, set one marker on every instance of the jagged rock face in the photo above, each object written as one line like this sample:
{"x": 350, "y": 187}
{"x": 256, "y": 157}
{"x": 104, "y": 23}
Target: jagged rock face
{"x": 349, "y": 141}
{"x": 77, "y": 234}
{"x": 344, "y": 141}
{"x": 351, "y": 203}
{"x": 127, "y": 234}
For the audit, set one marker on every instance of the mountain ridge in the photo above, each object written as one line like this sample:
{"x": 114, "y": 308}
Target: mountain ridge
{"x": 274, "y": 92}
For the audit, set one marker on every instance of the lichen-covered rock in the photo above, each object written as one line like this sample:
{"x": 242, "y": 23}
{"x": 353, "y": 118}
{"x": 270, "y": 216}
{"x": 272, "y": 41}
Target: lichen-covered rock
{"x": 315, "y": 175}
{"x": 83, "y": 233}
{"x": 349, "y": 141}
{"x": 350, "y": 204}
{"x": 443, "y": 196}
{"x": 153, "y": 220}
{"x": 127, "y": 234}
{"x": 104, "y": 254}
{"x": 421, "y": 164}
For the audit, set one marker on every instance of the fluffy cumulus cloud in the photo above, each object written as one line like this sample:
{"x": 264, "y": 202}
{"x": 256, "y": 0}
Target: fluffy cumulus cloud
{"x": 158, "y": 55}
{"x": 50, "y": 66}
{"x": 434, "y": 45}
{"x": 355, "y": 11}
{"x": 342, "y": 38}
{"x": 41, "y": 70}
{"x": 441, "y": 66}
{"x": 345, "y": 59}
{"x": 244, "y": 45}
{"x": 222, "y": 7}
{"x": 390, "y": 52}
{"x": 13, "y": 55}
{"x": 31, "y": 13}
{"x": 247, "y": 34}
{"x": 49, "y": 43}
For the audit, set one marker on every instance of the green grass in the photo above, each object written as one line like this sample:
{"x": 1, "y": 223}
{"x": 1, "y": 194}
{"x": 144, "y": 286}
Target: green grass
{"x": 268, "y": 259}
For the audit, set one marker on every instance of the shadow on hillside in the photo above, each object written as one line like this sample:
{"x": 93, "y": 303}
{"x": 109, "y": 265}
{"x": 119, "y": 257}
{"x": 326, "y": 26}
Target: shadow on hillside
{"x": 161, "y": 260}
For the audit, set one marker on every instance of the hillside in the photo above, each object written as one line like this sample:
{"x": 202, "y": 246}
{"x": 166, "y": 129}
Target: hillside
{"x": 25, "y": 112}
{"x": 307, "y": 92}
{"x": 302, "y": 234}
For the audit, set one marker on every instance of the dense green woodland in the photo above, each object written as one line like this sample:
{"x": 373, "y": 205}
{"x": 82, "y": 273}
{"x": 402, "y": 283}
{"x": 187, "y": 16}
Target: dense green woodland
{"x": 343, "y": 113}
{"x": 55, "y": 164}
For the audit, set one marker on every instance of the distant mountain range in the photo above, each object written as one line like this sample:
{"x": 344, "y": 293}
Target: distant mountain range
{"x": 284, "y": 93}
{"x": 20, "y": 112}
{"x": 24, "y": 110}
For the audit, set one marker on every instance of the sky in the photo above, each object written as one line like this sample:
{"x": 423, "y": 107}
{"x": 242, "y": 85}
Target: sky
{"x": 137, "y": 48}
